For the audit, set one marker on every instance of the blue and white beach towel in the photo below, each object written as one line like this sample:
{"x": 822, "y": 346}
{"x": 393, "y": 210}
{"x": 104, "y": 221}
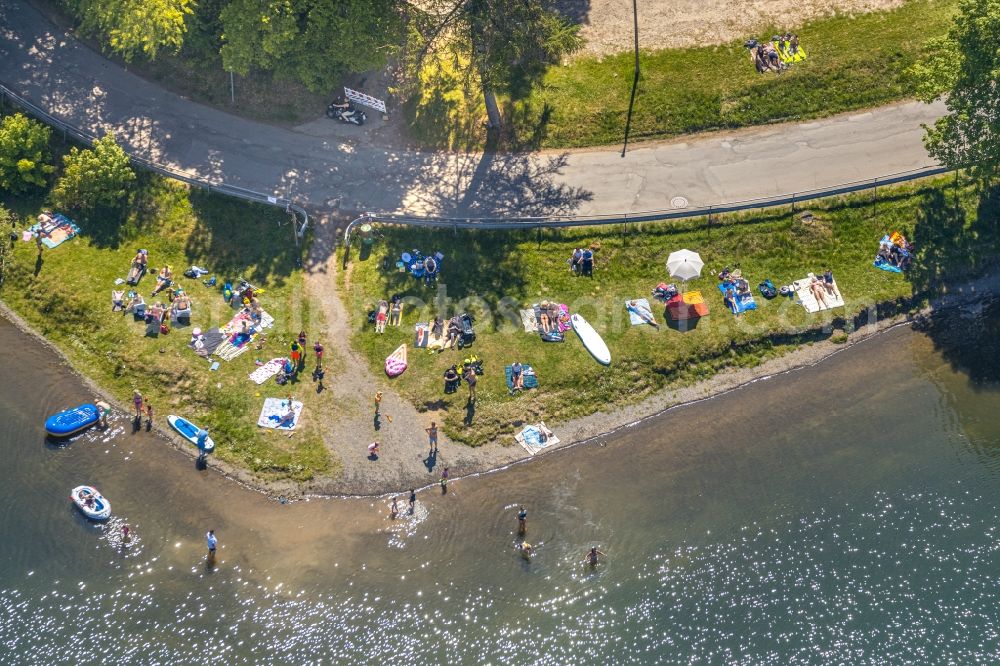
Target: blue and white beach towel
{"x": 743, "y": 302}
{"x": 641, "y": 305}
{"x": 274, "y": 410}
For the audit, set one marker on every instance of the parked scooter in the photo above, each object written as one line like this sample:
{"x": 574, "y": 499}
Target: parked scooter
{"x": 344, "y": 111}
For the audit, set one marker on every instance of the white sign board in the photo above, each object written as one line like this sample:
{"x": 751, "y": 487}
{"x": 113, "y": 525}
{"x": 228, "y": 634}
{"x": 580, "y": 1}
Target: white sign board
{"x": 364, "y": 100}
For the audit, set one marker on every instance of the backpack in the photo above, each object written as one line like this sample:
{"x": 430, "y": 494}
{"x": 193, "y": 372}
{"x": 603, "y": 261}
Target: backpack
{"x": 767, "y": 289}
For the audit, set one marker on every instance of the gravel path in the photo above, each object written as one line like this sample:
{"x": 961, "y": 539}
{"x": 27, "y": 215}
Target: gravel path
{"x": 606, "y": 25}
{"x": 405, "y": 459}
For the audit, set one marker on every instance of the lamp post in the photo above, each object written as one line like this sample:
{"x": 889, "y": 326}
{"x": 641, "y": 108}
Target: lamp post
{"x": 635, "y": 77}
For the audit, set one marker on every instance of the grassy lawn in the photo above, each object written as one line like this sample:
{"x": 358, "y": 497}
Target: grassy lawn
{"x": 492, "y": 274}
{"x": 854, "y": 62}
{"x": 68, "y": 301}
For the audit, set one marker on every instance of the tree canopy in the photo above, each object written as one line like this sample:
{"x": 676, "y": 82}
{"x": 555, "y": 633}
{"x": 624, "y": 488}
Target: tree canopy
{"x": 24, "y": 153}
{"x": 312, "y": 41}
{"x": 133, "y": 27}
{"x": 514, "y": 41}
{"x": 94, "y": 178}
{"x": 964, "y": 67}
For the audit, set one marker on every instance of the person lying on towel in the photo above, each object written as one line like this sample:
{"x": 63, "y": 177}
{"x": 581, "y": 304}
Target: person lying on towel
{"x": 642, "y": 313}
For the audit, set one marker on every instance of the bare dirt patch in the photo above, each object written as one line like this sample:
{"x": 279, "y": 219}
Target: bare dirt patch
{"x": 607, "y": 24}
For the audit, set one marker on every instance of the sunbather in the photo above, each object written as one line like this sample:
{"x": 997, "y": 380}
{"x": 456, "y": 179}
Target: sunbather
{"x": 381, "y": 316}
{"x": 396, "y": 312}
{"x": 155, "y": 313}
{"x": 828, "y": 283}
{"x": 117, "y": 300}
{"x": 437, "y": 328}
{"x": 544, "y": 320}
{"x": 134, "y": 299}
{"x": 730, "y": 301}
{"x": 163, "y": 280}
{"x": 517, "y": 376}
{"x": 454, "y": 332}
{"x": 643, "y": 313}
{"x": 288, "y": 419}
{"x": 818, "y": 291}
{"x": 181, "y": 304}
{"x": 138, "y": 268}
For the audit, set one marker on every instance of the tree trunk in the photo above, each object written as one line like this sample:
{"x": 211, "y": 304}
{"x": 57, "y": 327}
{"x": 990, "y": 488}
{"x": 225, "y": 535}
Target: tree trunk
{"x": 492, "y": 109}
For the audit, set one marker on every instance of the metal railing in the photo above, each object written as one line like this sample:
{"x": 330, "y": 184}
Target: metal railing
{"x": 86, "y": 137}
{"x": 554, "y": 221}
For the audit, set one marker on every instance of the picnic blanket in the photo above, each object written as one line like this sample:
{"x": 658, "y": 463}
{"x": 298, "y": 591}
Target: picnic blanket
{"x": 527, "y": 372}
{"x": 642, "y": 305}
{"x": 274, "y": 410}
{"x": 268, "y": 370}
{"x": 55, "y": 229}
{"x": 535, "y": 438}
{"x": 787, "y": 55}
{"x": 424, "y": 338}
{"x": 806, "y": 299}
{"x": 689, "y": 305}
{"x": 205, "y": 344}
{"x": 528, "y": 321}
{"x": 743, "y": 302}
{"x": 884, "y": 265}
{"x": 236, "y": 342}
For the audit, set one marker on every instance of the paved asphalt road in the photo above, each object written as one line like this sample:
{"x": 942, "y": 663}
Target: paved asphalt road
{"x": 324, "y": 163}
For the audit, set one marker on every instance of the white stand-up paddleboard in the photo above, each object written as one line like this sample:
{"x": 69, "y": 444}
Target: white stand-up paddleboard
{"x": 189, "y": 431}
{"x": 591, "y": 340}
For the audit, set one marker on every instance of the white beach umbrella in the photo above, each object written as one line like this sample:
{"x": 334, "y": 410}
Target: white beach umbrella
{"x": 684, "y": 264}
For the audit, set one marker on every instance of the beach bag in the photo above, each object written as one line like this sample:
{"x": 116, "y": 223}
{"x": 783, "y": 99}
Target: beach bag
{"x": 767, "y": 289}
{"x": 786, "y": 290}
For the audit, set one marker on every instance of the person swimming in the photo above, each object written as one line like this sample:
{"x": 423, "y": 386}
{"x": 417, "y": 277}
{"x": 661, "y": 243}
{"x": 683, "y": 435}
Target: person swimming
{"x": 592, "y": 556}
{"x": 526, "y": 550}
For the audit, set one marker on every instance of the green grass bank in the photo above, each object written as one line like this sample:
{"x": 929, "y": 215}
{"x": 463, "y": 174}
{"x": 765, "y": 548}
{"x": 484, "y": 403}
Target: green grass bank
{"x": 493, "y": 274}
{"x": 67, "y": 298}
{"x": 854, "y": 62}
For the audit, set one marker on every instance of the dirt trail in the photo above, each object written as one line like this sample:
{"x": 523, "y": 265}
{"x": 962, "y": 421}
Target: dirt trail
{"x": 404, "y": 461}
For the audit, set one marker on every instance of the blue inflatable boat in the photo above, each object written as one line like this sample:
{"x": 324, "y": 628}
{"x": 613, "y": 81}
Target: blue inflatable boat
{"x": 72, "y": 421}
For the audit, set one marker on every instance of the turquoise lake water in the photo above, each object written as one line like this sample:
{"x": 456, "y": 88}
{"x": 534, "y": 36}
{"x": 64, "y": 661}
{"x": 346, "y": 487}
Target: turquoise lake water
{"x": 844, "y": 513}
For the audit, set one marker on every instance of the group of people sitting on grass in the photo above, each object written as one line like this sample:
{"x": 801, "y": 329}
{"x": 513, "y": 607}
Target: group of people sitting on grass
{"x": 896, "y": 251}
{"x": 582, "y": 261}
{"x": 777, "y": 54}
{"x": 739, "y": 289}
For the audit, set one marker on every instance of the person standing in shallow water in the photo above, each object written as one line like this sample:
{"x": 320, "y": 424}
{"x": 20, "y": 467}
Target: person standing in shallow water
{"x": 394, "y": 509}
{"x": 522, "y": 520}
{"x": 137, "y": 403}
{"x": 212, "y": 541}
{"x": 413, "y": 499}
{"x": 444, "y": 481}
